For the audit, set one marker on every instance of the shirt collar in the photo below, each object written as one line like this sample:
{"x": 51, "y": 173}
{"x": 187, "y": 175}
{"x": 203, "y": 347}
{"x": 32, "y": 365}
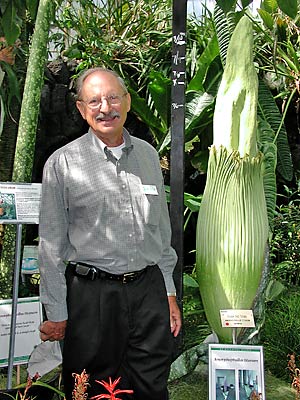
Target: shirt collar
{"x": 101, "y": 146}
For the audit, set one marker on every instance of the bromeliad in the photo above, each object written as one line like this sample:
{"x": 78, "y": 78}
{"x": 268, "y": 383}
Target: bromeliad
{"x": 110, "y": 387}
{"x": 82, "y": 383}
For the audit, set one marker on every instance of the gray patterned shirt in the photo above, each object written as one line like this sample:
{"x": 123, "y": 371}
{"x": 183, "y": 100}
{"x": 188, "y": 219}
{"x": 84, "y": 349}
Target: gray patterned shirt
{"x": 106, "y": 212}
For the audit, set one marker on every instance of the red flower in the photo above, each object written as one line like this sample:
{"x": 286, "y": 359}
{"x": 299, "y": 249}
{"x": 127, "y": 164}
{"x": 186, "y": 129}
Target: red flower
{"x": 110, "y": 387}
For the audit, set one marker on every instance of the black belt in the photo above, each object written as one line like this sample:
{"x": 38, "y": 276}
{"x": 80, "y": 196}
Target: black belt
{"x": 92, "y": 273}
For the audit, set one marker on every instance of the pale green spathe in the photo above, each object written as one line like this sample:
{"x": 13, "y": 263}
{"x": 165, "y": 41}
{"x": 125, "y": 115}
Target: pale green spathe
{"x": 232, "y": 233}
{"x": 232, "y": 229}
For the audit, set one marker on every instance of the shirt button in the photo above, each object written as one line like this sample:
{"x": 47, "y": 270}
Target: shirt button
{"x": 130, "y": 235}
{"x": 123, "y": 186}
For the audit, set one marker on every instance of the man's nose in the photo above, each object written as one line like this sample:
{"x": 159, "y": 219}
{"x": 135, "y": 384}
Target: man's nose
{"x": 104, "y": 104}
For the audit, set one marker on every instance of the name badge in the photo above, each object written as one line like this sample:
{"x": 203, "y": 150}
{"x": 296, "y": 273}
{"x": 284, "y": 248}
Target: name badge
{"x": 150, "y": 189}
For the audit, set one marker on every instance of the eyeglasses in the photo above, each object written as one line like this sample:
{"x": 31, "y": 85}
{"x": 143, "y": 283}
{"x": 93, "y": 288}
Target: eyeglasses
{"x": 113, "y": 100}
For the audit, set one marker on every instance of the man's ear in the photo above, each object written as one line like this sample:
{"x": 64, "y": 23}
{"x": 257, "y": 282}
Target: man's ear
{"x": 81, "y": 108}
{"x": 128, "y": 99}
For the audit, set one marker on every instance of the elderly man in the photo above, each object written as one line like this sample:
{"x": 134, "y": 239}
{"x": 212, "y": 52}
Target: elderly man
{"x": 105, "y": 257}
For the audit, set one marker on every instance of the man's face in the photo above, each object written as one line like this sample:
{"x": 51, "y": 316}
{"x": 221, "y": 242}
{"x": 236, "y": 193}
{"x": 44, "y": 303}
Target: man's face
{"x": 105, "y": 119}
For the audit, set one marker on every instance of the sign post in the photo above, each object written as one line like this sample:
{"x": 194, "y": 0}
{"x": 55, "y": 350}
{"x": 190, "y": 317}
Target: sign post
{"x": 13, "y": 322}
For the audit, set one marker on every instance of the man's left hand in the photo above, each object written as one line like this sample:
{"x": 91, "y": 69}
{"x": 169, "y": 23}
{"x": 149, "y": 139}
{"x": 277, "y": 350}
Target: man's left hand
{"x": 175, "y": 316}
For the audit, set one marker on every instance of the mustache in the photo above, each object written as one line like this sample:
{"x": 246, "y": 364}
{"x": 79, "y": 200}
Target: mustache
{"x": 111, "y": 114}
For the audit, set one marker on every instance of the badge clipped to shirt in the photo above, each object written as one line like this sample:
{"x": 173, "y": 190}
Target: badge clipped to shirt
{"x": 150, "y": 189}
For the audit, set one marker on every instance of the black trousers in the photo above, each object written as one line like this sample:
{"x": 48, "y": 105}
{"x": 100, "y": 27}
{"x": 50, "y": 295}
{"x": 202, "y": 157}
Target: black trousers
{"x": 117, "y": 329}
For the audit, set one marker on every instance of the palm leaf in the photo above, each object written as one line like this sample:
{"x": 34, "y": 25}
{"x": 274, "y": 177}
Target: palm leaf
{"x": 140, "y": 107}
{"x": 265, "y": 140}
{"x": 224, "y": 24}
{"x": 268, "y": 110}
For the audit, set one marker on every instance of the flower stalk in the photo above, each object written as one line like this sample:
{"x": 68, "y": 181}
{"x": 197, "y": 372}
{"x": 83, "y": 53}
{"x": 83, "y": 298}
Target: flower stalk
{"x": 232, "y": 228}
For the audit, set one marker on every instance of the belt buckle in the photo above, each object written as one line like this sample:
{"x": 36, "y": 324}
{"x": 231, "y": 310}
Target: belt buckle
{"x": 93, "y": 272}
{"x": 127, "y": 276}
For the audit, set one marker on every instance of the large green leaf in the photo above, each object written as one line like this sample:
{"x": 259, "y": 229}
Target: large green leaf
{"x": 160, "y": 90}
{"x": 203, "y": 62}
{"x": 13, "y": 83}
{"x": 11, "y": 24}
{"x": 266, "y": 18}
{"x": 289, "y": 7}
{"x": 199, "y": 112}
{"x": 32, "y": 6}
{"x": 245, "y": 3}
{"x": 191, "y": 201}
{"x": 269, "y": 111}
{"x": 269, "y": 5}
{"x": 213, "y": 77}
{"x": 226, "y": 5}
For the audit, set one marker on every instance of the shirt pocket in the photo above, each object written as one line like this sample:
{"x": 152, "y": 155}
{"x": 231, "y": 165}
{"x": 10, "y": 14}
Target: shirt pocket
{"x": 151, "y": 206}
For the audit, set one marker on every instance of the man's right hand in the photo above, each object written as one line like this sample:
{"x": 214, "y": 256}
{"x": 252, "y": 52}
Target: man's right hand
{"x": 50, "y": 330}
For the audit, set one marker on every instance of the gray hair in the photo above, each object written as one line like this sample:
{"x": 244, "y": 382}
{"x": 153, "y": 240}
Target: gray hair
{"x": 82, "y": 77}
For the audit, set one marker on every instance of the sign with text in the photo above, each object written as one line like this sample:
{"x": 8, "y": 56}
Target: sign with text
{"x": 19, "y": 202}
{"x": 29, "y": 318}
{"x": 237, "y": 319}
{"x": 236, "y": 372}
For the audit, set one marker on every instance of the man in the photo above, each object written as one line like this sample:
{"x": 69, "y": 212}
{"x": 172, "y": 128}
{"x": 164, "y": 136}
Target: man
{"x": 105, "y": 257}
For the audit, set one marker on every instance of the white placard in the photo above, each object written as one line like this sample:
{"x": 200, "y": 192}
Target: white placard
{"x": 237, "y": 319}
{"x": 20, "y": 202}
{"x": 235, "y": 371}
{"x": 29, "y": 318}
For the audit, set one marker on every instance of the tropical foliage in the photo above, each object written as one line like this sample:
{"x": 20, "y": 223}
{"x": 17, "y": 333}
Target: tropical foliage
{"x": 134, "y": 38}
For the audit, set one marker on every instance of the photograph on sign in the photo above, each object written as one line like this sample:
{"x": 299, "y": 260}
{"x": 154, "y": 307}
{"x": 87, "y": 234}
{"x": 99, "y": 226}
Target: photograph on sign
{"x": 19, "y": 203}
{"x": 29, "y": 318}
{"x": 235, "y": 372}
{"x": 7, "y": 206}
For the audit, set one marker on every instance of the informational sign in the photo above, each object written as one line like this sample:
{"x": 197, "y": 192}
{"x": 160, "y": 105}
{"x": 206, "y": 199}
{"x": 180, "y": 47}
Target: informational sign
{"x": 237, "y": 319}
{"x": 236, "y": 372}
{"x": 19, "y": 203}
{"x": 29, "y": 318}
{"x": 30, "y": 260}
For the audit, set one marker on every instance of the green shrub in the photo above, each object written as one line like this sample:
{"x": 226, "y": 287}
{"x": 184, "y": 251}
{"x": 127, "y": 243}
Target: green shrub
{"x": 285, "y": 243}
{"x": 281, "y": 332}
{"x": 195, "y": 325}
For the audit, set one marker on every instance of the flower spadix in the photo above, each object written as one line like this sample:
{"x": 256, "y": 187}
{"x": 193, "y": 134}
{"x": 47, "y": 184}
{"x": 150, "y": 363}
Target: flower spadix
{"x": 232, "y": 228}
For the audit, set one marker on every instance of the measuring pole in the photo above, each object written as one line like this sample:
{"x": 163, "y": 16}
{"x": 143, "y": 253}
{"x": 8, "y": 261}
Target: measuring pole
{"x": 177, "y": 143}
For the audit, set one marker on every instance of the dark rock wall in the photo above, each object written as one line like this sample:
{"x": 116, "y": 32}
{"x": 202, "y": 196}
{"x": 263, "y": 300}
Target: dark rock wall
{"x": 60, "y": 121}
